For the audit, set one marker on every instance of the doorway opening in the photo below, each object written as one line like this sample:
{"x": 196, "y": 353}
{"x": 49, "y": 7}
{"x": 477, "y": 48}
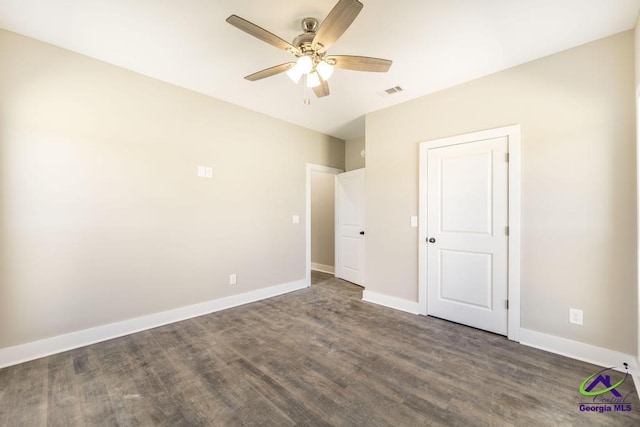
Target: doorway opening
{"x": 320, "y": 219}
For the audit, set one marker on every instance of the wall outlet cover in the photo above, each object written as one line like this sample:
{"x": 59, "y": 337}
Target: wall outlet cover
{"x": 575, "y": 316}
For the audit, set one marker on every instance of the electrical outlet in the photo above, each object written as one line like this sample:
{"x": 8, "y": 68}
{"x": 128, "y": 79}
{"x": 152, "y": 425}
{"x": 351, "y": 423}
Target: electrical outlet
{"x": 575, "y": 316}
{"x": 232, "y": 279}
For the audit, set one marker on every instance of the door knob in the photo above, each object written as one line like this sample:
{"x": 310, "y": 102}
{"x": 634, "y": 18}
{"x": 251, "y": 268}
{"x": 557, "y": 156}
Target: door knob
{"x": 432, "y": 240}
{"x": 362, "y": 233}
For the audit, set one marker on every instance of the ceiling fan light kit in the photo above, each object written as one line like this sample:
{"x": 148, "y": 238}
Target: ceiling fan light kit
{"x": 312, "y": 67}
{"x": 310, "y": 48}
{"x": 313, "y": 80}
{"x": 294, "y": 74}
{"x": 324, "y": 69}
{"x": 304, "y": 64}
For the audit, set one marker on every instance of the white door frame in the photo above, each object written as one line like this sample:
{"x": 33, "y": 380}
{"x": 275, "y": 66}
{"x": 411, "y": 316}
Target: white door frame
{"x": 307, "y": 215}
{"x": 513, "y": 134}
{"x": 638, "y": 211}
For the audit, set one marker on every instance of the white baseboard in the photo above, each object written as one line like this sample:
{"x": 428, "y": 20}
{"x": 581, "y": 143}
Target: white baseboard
{"x": 636, "y": 375}
{"x": 391, "y": 302}
{"x": 323, "y": 268}
{"x": 580, "y": 351}
{"x": 37, "y": 349}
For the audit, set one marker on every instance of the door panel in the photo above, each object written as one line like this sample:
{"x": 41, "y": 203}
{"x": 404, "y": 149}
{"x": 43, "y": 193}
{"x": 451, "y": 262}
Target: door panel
{"x": 466, "y": 187}
{"x": 351, "y": 253}
{"x": 459, "y": 268}
{"x": 349, "y": 226}
{"x": 466, "y": 222}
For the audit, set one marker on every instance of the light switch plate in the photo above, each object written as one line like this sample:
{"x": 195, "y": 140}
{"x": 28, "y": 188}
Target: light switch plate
{"x": 295, "y": 219}
{"x": 201, "y": 171}
{"x": 209, "y": 172}
{"x": 414, "y": 221}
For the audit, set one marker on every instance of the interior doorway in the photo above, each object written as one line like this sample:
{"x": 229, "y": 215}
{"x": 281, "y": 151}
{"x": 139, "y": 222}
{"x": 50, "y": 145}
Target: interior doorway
{"x": 320, "y": 219}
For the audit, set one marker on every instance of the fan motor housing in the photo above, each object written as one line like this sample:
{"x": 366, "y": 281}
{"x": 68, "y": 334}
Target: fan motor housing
{"x": 309, "y": 25}
{"x": 305, "y": 40}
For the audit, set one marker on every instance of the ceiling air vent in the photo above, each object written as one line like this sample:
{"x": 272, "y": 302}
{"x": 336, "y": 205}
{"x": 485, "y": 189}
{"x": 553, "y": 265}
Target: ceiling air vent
{"x": 391, "y": 91}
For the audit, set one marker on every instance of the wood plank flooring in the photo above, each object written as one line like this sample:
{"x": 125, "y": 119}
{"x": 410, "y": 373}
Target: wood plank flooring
{"x": 315, "y": 357}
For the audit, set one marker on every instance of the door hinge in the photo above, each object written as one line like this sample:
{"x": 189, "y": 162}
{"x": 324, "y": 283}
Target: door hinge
{"x": 506, "y": 230}
{"x": 506, "y": 304}
{"x": 506, "y": 157}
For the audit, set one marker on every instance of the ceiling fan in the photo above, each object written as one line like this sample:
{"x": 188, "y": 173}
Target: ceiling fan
{"x": 310, "y": 48}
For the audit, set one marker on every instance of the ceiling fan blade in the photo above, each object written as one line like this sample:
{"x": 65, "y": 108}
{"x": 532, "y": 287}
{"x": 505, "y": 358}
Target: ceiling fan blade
{"x": 261, "y": 33}
{"x": 323, "y": 89}
{"x": 336, "y": 23}
{"x": 271, "y": 71}
{"x": 360, "y": 63}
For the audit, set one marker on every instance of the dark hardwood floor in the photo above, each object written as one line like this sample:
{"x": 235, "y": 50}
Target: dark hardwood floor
{"x": 319, "y": 356}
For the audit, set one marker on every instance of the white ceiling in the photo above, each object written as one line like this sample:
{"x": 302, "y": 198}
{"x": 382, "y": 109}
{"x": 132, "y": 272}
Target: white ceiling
{"x": 434, "y": 44}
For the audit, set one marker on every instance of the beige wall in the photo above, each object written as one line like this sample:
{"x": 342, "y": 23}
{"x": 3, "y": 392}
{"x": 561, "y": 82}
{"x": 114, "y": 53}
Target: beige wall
{"x": 637, "y": 50}
{"x": 103, "y": 216}
{"x": 353, "y": 159}
{"x": 323, "y": 218}
{"x": 576, "y": 109}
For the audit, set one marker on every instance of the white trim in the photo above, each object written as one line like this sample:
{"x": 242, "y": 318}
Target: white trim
{"x": 336, "y": 227}
{"x": 638, "y": 216}
{"x": 636, "y": 375}
{"x": 515, "y": 228}
{"x": 307, "y": 215}
{"x": 391, "y": 302}
{"x": 513, "y": 134}
{"x": 323, "y": 268}
{"x": 580, "y": 351}
{"x": 46, "y": 347}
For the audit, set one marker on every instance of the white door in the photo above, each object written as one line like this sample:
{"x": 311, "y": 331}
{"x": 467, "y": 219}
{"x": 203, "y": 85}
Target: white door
{"x": 467, "y": 218}
{"x": 350, "y": 226}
